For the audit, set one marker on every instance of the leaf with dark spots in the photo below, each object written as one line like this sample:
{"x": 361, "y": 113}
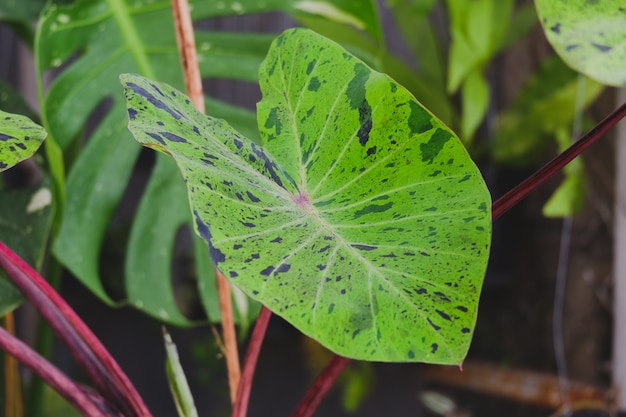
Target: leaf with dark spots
{"x": 131, "y": 115}
{"x": 19, "y": 139}
{"x": 589, "y": 36}
{"x": 340, "y": 203}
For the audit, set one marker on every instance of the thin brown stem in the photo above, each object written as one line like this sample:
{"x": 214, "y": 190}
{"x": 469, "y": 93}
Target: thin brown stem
{"x": 86, "y": 349}
{"x": 320, "y": 387}
{"x": 69, "y": 390}
{"x": 187, "y": 50}
{"x": 193, "y": 83}
{"x": 240, "y": 408}
{"x": 230, "y": 335}
{"x": 504, "y": 203}
{"x": 12, "y": 384}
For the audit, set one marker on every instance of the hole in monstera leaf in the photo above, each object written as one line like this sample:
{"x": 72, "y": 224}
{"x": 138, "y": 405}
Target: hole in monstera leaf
{"x": 114, "y": 246}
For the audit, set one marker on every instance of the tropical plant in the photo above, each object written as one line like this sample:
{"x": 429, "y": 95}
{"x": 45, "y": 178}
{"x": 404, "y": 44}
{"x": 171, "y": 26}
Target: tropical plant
{"x": 335, "y": 210}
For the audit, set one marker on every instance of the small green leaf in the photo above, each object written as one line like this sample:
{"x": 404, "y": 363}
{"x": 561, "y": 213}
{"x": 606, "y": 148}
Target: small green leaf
{"x": 478, "y": 29}
{"x": 363, "y": 221}
{"x": 475, "y": 100}
{"x": 569, "y": 198}
{"x": 590, "y": 36}
{"x": 177, "y": 380}
{"x": 19, "y": 139}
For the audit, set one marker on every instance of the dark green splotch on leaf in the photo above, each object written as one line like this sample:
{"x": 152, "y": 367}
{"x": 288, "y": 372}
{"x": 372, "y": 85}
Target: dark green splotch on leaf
{"x": 273, "y": 122}
{"x": 419, "y": 119}
{"x": 343, "y": 244}
{"x": 432, "y": 148}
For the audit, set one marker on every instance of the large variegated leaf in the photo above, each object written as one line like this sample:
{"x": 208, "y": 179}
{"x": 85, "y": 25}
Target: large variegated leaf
{"x": 362, "y": 220}
{"x": 590, "y": 36}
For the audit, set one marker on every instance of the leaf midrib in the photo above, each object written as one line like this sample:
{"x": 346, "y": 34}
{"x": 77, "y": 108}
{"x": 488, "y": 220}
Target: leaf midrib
{"x": 121, "y": 14}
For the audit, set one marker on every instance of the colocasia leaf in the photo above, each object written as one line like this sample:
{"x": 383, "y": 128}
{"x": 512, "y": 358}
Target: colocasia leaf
{"x": 19, "y": 139}
{"x": 588, "y": 35}
{"x": 362, "y": 220}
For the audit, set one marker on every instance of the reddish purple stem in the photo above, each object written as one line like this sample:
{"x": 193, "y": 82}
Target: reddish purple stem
{"x": 72, "y": 392}
{"x": 86, "y": 349}
{"x": 240, "y": 408}
{"x": 513, "y": 197}
{"x": 320, "y": 387}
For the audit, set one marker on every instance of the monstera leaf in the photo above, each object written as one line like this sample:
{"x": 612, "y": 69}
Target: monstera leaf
{"x": 104, "y": 39}
{"x": 362, "y": 220}
{"x": 590, "y": 36}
